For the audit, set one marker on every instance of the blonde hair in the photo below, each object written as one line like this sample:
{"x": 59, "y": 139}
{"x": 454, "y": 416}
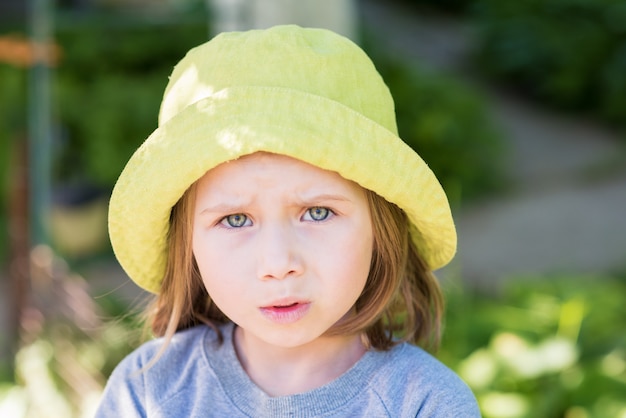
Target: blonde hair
{"x": 401, "y": 300}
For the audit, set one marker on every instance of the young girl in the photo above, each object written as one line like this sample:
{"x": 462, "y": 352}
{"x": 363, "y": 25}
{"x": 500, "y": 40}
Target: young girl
{"x": 289, "y": 235}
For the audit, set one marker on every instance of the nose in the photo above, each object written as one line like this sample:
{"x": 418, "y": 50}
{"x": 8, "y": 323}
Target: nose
{"x": 278, "y": 253}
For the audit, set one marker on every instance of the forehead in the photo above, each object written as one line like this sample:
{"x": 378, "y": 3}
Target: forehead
{"x": 270, "y": 170}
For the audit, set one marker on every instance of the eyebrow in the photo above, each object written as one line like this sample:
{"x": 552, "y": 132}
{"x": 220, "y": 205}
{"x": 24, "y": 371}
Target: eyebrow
{"x": 314, "y": 198}
{"x": 224, "y": 208}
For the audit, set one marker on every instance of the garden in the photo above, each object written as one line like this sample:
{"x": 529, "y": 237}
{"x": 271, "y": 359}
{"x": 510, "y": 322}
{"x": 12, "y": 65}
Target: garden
{"x": 551, "y": 347}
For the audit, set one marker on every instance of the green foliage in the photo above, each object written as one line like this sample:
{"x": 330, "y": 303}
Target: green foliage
{"x": 62, "y": 372}
{"x": 106, "y": 94}
{"x": 108, "y": 89}
{"x": 548, "y": 347}
{"x": 446, "y": 123}
{"x": 445, "y": 6}
{"x": 570, "y": 53}
{"x": 551, "y": 347}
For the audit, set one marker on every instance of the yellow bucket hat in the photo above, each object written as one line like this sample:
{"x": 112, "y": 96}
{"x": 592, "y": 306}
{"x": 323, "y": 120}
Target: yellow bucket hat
{"x": 306, "y": 93}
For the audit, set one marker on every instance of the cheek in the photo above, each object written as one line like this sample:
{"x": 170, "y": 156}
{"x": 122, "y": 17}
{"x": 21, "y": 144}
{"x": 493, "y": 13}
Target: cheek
{"x": 207, "y": 249}
{"x": 202, "y": 254}
{"x": 211, "y": 264}
{"x": 351, "y": 261}
{"x": 221, "y": 284}
{"x": 223, "y": 268}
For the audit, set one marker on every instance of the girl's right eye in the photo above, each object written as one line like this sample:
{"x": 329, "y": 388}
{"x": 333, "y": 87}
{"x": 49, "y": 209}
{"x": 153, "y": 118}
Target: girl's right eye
{"x": 237, "y": 220}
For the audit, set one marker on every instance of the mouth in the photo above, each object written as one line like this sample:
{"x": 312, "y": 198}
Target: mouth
{"x": 285, "y": 306}
{"x": 286, "y": 311}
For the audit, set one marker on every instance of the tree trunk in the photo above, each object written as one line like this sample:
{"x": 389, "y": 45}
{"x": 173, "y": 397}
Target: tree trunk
{"x": 17, "y": 283}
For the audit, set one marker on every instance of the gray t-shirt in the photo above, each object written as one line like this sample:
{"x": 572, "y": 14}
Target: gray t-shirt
{"x": 198, "y": 377}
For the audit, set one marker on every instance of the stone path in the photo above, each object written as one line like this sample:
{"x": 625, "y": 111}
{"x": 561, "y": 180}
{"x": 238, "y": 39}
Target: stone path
{"x": 567, "y": 211}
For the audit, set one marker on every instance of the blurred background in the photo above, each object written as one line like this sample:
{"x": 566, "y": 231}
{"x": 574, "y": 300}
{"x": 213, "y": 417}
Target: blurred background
{"x": 518, "y": 106}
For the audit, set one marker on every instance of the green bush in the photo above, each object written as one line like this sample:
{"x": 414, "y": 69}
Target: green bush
{"x": 62, "y": 372}
{"x": 569, "y": 53}
{"x": 444, "y": 6}
{"x": 445, "y": 121}
{"x": 108, "y": 90}
{"x": 551, "y": 347}
{"x": 106, "y": 93}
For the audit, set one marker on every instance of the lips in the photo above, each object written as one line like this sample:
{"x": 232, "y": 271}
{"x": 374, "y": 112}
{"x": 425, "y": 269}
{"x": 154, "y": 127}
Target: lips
{"x": 286, "y": 311}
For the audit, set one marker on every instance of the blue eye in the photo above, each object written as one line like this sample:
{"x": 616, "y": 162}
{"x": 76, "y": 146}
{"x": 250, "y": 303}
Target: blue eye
{"x": 318, "y": 213}
{"x": 236, "y": 221}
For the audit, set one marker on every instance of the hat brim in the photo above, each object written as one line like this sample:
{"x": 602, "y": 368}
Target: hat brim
{"x": 243, "y": 120}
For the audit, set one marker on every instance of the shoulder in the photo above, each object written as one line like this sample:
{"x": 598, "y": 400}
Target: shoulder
{"x": 157, "y": 356}
{"x": 411, "y": 382}
{"x": 157, "y": 371}
{"x": 177, "y": 350}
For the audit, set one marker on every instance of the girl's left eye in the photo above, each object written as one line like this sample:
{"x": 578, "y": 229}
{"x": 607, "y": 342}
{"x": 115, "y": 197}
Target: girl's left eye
{"x": 317, "y": 213}
{"x": 237, "y": 220}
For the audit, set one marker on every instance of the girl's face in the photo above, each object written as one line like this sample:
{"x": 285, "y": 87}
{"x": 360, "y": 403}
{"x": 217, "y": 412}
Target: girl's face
{"x": 283, "y": 247}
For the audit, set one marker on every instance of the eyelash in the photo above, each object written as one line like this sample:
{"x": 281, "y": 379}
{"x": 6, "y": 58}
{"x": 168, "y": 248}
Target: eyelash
{"x": 240, "y": 223}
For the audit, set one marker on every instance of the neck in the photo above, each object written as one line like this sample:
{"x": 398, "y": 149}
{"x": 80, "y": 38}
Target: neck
{"x": 281, "y": 371}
